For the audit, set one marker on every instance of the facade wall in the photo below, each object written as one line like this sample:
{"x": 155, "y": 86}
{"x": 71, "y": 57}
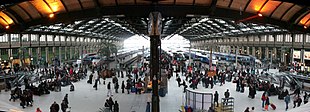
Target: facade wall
{"x": 46, "y": 47}
{"x": 277, "y": 47}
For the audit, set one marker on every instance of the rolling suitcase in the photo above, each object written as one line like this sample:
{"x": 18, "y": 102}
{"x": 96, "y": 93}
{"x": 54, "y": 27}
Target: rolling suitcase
{"x": 273, "y": 106}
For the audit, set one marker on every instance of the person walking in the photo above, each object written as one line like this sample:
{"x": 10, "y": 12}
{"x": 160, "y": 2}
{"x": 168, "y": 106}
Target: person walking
{"x": 287, "y": 100}
{"x": 64, "y": 106}
{"x": 148, "y": 107}
{"x": 179, "y": 81}
{"x": 111, "y": 103}
{"x": 299, "y": 101}
{"x": 216, "y": 98}
{"x": 66, "y": 99}
{"x": 128, "y": 87}
{"x": 211, "y": 82}
{"x": 116, "y": 86}
{"x": 226, "y": 94}
{"x": 267, "y": 103}
{"x": 306, "y": 98}
{"x": 109, "y": 90}
{"x": 123, "y": 86}
{"x": 263, "y": 98}
{"x": 96, "y": 84}
{"x": 54, "y": 107}
{"x": 116, "y": 107}
{"x": 90, "y": 79}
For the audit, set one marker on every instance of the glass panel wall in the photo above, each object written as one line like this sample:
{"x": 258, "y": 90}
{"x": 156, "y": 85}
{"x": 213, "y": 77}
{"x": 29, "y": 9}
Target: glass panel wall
{"x": 4, "y": 38}
{"x": 25, "y": 38}
{"x": 42, "y": 38}
{"x": 34, "y": 38}
{"x": 14, "y": 37}
{"x": 49, "y": 38}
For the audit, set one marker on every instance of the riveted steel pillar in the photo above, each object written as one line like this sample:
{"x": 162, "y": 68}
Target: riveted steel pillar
{"x": 154, "y": 33}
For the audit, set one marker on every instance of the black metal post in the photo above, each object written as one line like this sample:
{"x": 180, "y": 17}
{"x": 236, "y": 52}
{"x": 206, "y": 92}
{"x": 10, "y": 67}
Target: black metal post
{"x": 154, "y": 69}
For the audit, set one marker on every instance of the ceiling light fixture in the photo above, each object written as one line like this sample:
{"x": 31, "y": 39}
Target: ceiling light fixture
{"x": 51, "y": 15}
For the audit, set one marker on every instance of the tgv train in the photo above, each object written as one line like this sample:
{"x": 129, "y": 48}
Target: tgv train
{"x": 248, "y": 59}
{"x": 202, "y": 56}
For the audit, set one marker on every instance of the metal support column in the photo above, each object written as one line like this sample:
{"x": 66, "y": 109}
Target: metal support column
{"x": 154, "y": 32}
{"x": 66, "y": 57}
{"x": 248, "y": 50}
{"x": 30, "y": 52}
{"x": 155, "y": 41}
{"x": 302, "y": 56}
{"x": 59, "y": 53}
{"x": 236, "y": 52}
{"x": 260, "y": 53}
{"x": 267, "y": 53}
{"x": 210, "y": 59}
{"x": 292, "y": 55}
{"x": 275, "y": 53}
{"x": 46, "y": 54}
{"x": 253, "y": 51}
{"x": 71, "y": 52}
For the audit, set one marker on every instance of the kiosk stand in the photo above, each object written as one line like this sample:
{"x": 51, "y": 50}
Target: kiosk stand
{"x": 198, "y": 100}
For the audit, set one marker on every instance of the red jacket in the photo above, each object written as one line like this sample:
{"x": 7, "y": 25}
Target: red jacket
{"x": 264, "y": 98}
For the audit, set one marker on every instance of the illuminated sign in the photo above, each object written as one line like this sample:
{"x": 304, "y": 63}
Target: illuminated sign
{"x": 307, "y": 55}
{"x": 296, "y": 54}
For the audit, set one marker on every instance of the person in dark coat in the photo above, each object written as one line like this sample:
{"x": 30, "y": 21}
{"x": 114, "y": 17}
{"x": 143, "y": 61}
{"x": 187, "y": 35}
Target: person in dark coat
{"x": 179, "y": 81}
{"x": 207, "y": 81}
{"x": 226, "y": 94}
{"x": 216, "y": 98}
{"x": 111, "y": 103}
{"x": 109, "y": 90}
{"x": 90, "y": 79}
{"x": 66, "y": 99}
{"x": 184, "y": 86}
{"x": 23, "y": 100}
{"x": 148, "y": 107}
{"x": 122, "y": 74}
{"x": 96, "y": 84}
{"x": 64, "y": 106}
{"x": 247, "y": 109}
{"x": 116, "y": 86}
{"x": 116, "y": 107}
{"x": 128, "y": 87}
{"x": 238, "y": 85}
{"x": 252, "y": 92}
{"x": 123, "y": 86}
{"x": 299, "y": 100}
{"x": 211, "y": 82}
{"x": 71, "y": 87}
{"x": 54, "y": 107}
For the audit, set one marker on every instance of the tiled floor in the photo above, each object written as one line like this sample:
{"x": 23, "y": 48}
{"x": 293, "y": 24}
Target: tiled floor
{"x": 87, "y": 99}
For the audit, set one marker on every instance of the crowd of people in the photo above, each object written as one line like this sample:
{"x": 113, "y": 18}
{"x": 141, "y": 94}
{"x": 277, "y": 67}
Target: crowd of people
{"x": 45, "y": 80}
{"x": 242, "y": 78}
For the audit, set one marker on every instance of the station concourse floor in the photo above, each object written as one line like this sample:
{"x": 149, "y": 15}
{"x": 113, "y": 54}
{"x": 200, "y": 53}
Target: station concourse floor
{"x": 86, "y": 99}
